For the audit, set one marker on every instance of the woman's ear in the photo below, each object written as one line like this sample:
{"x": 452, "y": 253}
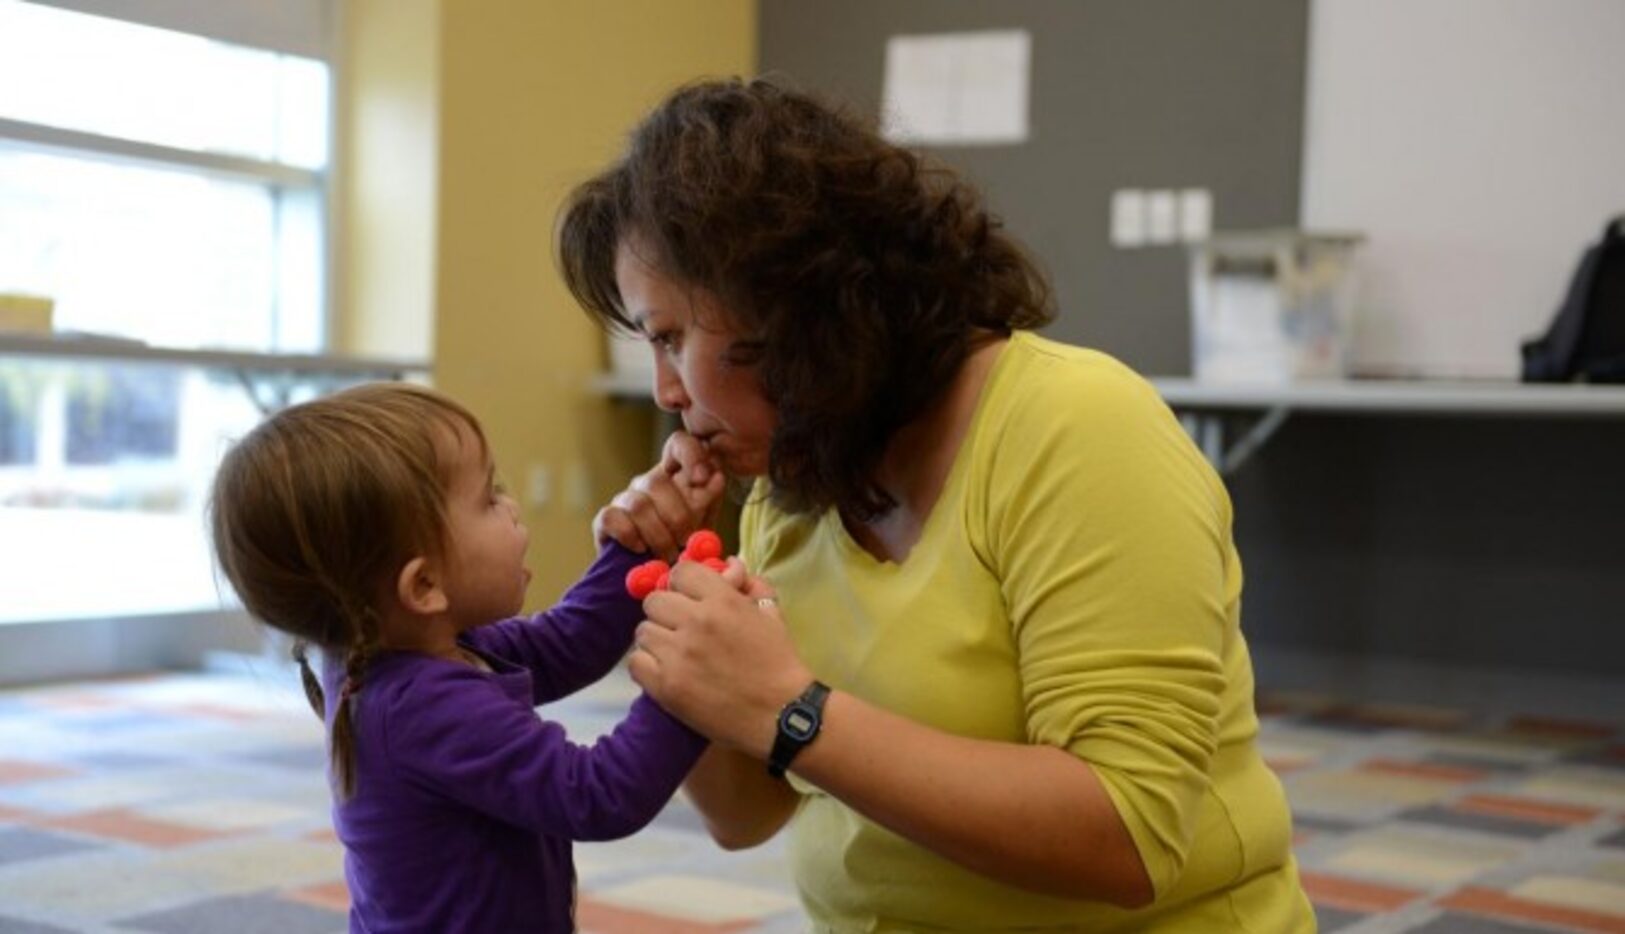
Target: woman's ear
{"x": 418, "y": 588}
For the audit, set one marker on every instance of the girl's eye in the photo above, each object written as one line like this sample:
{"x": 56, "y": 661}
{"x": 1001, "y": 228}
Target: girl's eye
{"x": 498, "y": 490}
{"x": 664, "y": 340}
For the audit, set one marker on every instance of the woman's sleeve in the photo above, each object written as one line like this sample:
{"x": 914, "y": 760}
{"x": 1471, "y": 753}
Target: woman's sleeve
{"x": 1110, "y": 538}
{"x": 579, "y": 639}
{"x": 462, "y": 738}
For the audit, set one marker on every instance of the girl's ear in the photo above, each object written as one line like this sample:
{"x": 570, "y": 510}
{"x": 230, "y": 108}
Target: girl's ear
{"x": 418, "y": 587}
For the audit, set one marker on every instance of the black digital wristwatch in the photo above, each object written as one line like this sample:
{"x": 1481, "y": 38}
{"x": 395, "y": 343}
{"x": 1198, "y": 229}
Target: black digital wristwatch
{"x": 799, "y": 723}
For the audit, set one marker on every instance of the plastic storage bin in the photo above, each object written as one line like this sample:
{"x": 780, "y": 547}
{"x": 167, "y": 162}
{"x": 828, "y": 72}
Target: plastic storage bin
{"x": 1272, "y": 306}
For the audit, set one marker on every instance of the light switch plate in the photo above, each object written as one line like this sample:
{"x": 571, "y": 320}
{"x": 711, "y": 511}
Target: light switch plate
{"x": 1195, "y": 214}
{"x": 1161, "y": 216}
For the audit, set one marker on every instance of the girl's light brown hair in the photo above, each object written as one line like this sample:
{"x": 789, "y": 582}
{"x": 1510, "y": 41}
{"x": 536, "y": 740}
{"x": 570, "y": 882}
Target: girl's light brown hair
{"x": 857, "y": 272}
{"x": 317, "y": 509}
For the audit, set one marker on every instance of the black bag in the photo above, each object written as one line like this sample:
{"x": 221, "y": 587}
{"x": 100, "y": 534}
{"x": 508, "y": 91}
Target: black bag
{"x": 1587, "y": 338}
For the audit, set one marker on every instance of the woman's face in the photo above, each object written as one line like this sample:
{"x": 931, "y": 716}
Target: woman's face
{"x": 700, "y": 372}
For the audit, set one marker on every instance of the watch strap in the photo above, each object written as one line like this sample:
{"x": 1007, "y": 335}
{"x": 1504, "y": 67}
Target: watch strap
{"x": 798, "y": 725}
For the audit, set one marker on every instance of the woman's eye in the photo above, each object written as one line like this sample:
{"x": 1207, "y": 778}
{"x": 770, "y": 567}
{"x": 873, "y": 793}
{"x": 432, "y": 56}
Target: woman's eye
{"x": 745, "y": 353}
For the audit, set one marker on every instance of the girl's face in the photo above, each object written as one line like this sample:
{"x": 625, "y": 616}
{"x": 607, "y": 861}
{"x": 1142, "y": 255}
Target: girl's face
{"x": 486, "y": 577}
{"x": 701, "y": 371}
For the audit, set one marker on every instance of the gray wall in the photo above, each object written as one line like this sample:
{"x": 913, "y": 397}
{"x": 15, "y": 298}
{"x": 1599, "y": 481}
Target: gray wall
{"x": 1495, "y": 541}
{"x": 1125, "y": 94}
{"x": 1483, "y": 541}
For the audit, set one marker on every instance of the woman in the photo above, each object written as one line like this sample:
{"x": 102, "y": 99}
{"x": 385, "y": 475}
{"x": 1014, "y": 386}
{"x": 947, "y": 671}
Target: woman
{"x": 1001, "y": 556}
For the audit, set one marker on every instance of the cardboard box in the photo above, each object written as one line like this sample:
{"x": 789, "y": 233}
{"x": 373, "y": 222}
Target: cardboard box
{"x": 1272, "y": 306}
{"x": 28, "y": 313}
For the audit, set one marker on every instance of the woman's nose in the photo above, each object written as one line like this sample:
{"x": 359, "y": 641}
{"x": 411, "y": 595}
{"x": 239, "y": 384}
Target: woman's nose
{"x": 669, "y": 392}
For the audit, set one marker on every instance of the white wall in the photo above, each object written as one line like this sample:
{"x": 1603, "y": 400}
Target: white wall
{"x": 1480, "y": 144}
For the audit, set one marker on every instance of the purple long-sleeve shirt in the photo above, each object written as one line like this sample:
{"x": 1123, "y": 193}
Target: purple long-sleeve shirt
{"x": 466, "y": 801}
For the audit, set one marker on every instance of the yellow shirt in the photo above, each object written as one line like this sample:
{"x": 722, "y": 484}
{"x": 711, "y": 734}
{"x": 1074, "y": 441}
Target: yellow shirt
{"x": 1076, "y": 585}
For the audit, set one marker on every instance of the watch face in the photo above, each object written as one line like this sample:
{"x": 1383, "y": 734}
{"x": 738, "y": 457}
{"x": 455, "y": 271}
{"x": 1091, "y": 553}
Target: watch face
{"x": 799, "y": 720}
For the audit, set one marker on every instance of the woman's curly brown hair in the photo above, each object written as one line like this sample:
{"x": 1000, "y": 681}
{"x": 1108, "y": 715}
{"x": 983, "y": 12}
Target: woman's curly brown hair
{"x": 856, "y": 273}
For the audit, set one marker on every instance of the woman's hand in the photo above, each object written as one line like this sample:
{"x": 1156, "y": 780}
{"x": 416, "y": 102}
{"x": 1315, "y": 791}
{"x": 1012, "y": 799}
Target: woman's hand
{"x": 659, "y": 508}
{"x": 715, "y": 652}
{"x": 720, "y": 660}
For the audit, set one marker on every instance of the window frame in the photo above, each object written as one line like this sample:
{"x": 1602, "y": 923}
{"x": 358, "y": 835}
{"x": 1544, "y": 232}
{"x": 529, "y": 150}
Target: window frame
{"x": 308, "y": 31}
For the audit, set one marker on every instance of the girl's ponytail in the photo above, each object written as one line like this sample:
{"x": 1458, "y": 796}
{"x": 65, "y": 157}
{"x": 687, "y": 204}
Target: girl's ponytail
{"x": 313, "y": 685}
{"x": 355, "y": 668}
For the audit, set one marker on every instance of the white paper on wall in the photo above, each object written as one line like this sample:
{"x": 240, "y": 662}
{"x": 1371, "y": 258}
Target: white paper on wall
{"x": 966, "y": 88}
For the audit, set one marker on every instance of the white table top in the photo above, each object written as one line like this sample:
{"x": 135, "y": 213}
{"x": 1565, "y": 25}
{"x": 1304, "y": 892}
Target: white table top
{"x": 1411, "y": 397}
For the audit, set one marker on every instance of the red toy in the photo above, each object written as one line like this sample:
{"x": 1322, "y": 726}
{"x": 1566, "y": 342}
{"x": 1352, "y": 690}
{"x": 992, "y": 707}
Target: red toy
{"x": 704, "y": 546}
{"x": 646, "y": 578}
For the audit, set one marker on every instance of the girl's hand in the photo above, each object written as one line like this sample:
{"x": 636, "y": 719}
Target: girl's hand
{"x": 659, "y": 508}
{"x": 716, "y": 653}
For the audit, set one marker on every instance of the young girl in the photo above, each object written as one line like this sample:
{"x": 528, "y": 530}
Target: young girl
{"x": 370, "y": 524}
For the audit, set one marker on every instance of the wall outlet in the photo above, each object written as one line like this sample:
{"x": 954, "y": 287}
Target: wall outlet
{"x": 538, "y": 486}
{"x": 1128, "y": 218}
{"x": 578, "y": 497}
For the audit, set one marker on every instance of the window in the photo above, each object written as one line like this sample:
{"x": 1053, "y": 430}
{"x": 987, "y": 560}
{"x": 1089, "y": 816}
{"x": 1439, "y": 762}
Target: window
{"x": 16, "y": 428}
{"x": 163, "y": 186}
{"x": 123, "y": 413}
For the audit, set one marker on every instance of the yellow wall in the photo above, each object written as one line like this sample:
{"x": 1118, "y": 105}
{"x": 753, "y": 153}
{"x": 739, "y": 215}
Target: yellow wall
{"x": 387, "y": 112}
{"x": 531, "y": 97}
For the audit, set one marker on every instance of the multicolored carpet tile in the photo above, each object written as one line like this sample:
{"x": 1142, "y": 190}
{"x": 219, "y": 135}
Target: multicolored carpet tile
{"x": 194, "y": 802}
